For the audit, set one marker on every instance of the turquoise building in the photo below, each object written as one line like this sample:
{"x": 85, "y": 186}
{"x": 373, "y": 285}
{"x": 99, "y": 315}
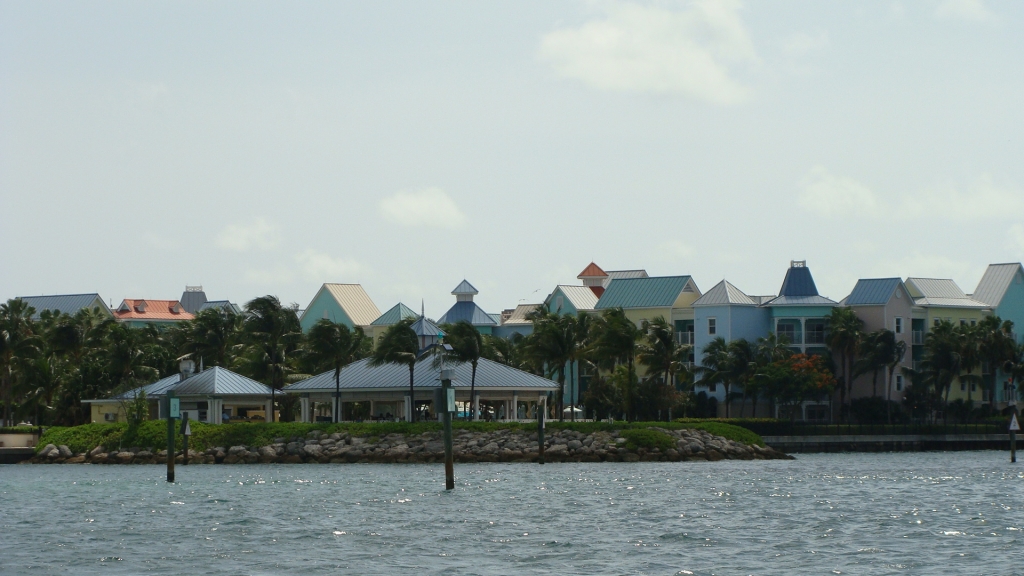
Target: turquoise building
{"x": 799, "y": 314}
{"x": 346, "y": 304}
{"x": 1002, "y": 288}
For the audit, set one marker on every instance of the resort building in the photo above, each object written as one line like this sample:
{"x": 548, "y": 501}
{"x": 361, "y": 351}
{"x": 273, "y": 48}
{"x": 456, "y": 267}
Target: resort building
{"x": 66, "y": 304}
{"x": 137, "y": 313}
{"x": 193, "y": 300}
{"x": 517, "y": 321}
{"x": 393, "y": 316}
{"x": 571, "y": 299}
{"x": 382, "y": 392}
{"x": 347, "y": 304}
{"x": 884, "y": 303}
{"x": 799, "y": 314}
{"x": 1002, "y": 289}
{"x": 215, "y": 395}
{"x": 645, "y": 298}
{"x": 465, "y": 309}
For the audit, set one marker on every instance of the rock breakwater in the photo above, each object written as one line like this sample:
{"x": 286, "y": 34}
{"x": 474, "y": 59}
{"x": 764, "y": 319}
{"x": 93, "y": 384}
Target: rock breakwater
{"x": 494, "y": 446}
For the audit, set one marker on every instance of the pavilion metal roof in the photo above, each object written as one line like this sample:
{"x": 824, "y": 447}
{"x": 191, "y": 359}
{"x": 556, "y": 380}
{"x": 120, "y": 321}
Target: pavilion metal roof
{"x": 798, "y": 281}
{"x": 519, "y": 315}
{"x": 426, "y": 327}
{"x": 215, "y": 381}
{"x": 468, "y": 311}
{"x": 724, "y": 293}
{"x": 995, "y": 282}
{"x": 934, "y": 288}
{"x": 656, "y": 292}
{"x": 801, "y": 301}
{"x": 360, "y": 375}
{"x": 225, "y": 305}
{"x": 65, "y": 303}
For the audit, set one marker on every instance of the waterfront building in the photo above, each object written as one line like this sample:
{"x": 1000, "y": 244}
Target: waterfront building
{"x": 347, "y": 304}
{"x": 465, "y": 309}
{"x": 645, "y": 298}
{"x": 382, "y": 392}
{"x": 799, "y": 314}
{"x": 66, "y": 304}
{"x": 138, "y": 313}
{"x": 214, "y": 395}
{"x": 884, "y": 303}
{"x": 1002, "y": 289}
{"x": 517, "y": 321}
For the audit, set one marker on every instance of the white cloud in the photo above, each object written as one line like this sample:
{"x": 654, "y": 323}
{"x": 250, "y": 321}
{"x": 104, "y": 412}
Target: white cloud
{"x": 320, "y": 267}
{"x": 258, "y": 234}
{"x": 653, "y": 50}
{"x": 803, "y": 42}
{"x": 826, "y": 194}
{"x": 430, "y": 207}
{"x": 970, "y": 10}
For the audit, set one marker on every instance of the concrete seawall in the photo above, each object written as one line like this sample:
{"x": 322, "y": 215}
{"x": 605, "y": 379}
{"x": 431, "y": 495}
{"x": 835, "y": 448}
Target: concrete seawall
{"x": 888, "y": 442}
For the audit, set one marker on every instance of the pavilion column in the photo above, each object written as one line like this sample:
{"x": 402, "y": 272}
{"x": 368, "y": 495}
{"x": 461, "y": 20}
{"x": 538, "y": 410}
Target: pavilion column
{"x": 476, "y": 406}
{"x": 373, "y": 407}
{"x": 269, "y": 410}
{"x": 335, "y": 408}
{"x": 407, "y": 408}
{"x": 515, "y": 405}
{"x": 213, "y": 411}
{"x": 304, "y": 409}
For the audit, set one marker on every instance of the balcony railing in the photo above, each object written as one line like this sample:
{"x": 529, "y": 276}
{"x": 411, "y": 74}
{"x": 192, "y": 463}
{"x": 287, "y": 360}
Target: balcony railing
{"x": 684, "y": 338}
{"x": 791, "y": 336}
{"x": 917, "y": 337}
{"x": 815, "y": 337}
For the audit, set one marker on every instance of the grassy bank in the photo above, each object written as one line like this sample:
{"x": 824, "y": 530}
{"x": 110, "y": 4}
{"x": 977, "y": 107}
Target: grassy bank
{"x": 153, "y": 434}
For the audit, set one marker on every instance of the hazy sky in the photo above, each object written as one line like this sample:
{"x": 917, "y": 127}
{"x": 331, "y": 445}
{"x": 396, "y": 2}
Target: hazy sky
{"x": 265, "y": 148}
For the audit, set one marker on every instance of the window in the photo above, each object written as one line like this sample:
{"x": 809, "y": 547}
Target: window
{"x": 712, "y": 388}
{"x": 712, "y": 326}
{"x": 963, "y": 386}
{"x": 937, "y": 321}
{"x": 899, "y": 325}
{"x": 963, "y": 322}
{"x": 974, "y": 322}
{"x": 899, "y": 382}
{"x": 325, "y": 314}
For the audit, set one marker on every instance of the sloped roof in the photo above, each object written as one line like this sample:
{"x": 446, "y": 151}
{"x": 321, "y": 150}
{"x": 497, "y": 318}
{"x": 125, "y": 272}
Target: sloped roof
{"x": 426, "y": 327}
{"x": 142, "y": 309}
{"x": 798, "y": 282}
{"x": 464, "y": 287}
{"x": 519, "y": 315}
{"x": 657, "y": 292}
{"x": 940, "y": 302}
{"x": 361, "y": 376}
{"x": 872, "y": 292}
{"x": 995, "y": 282}
{"x": 581, "y": 297}
{"x": 934, "y": 288}
{"x": 354, "y": 300}
{"x": 224, "y": 305}
{"x": 724, "y": 293}
{"x": 592, "y": 271}
{"x": 193, "y": 298}
{"x": 65, "y": 303}
{"x": 397, "y": 313}
{"x": 801, "y": 301}
{"x": 468, "y": 311}
{"x": 618, "y": 274}
{"x": 212, "y": 381}
{"x": 157, "y": 388}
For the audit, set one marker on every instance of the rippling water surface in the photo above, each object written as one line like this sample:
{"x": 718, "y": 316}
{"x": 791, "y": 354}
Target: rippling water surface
{"x": 933, "y": 513}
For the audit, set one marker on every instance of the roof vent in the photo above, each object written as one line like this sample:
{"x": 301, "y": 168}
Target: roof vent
{"x": 193, "y": 288}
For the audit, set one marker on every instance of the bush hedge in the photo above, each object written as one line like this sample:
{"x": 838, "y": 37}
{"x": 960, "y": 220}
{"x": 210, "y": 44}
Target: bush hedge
{"x": 152, "y": 434}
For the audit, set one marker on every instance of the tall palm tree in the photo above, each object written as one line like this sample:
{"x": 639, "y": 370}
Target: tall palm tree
{"x": 271, "y": 334}
{"x": 872, "y": 358}
{"x": 551, "y": 345}
{"x": 768, "y": 350}
{"x": 659, "y": 350}
{"x": 332, "y": 345}
{"x": 892, "y": 350}
{"x": 614, "y": 342}
{"x": 579, "y": 326}
{"x": 467, "y": 345}
{"x": 941, "y": 364}
{"x": 19, "y": 345}
{"x": 715, "y": 367}
{"x": 843, "y": 339}
{"x": 743, "y": 366}
{"x": 997, "y": 345}
{"x": 969, "y": 343}
{"x": 399, "y": 345}
{"x": 210, "y": 336}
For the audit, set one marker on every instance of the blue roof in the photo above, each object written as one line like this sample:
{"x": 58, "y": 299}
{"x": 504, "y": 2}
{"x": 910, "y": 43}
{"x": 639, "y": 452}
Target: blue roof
{"x": 360, "y": 375}
{"x": 397, "y": 313}
{"x": 873, "y": 291}
{"x": 798, "y": 282}
{"x": 469, "y": 312}
{"x": 655, "y": 292}
{"x": 465, "y": 287}
{"x": 224, "y": 305}
{"x": 425, "y": 327}
{"x": 66, "y": 303}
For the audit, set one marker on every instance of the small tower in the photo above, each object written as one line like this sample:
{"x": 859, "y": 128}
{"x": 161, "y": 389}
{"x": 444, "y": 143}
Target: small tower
{"x": 464, "y": 292}
{"x": 594, "y": 277}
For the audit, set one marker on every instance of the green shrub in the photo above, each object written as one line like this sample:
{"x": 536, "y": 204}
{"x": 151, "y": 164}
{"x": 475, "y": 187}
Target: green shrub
{"x": 647, "y": 438}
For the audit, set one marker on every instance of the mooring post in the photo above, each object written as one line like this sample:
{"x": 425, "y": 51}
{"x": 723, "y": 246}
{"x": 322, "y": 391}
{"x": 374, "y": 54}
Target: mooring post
{"x": 185, "y": 433}
{"x": 1014, "y": 427}
{"x": 447, "y": 407}
{"x": 173, "y": 408}
{"x": 542, "y": 408}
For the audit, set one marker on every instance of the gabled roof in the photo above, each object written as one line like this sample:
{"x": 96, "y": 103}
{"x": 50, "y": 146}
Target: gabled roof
{"x": 798, "y": 281}
{"x": 872, "y": 292}
{"x": 141, "y": 309}
{"x": 724, "y": 293}
{"x": 225, "y": 305}
{"x": 657, "y": 292}
{"x": 592, "y": 271}
{"x": 354, "y": 300}
{"x": 397, "y": 313}
{"x": 801, "y": 301}
{"x": 361, "y": 376}
{"x": 581, "y": 297}
{"x": 65, "y": 303}
{"x": 426, "y": 327}
{"x": 996, "y": 281}
{"x": 940, "y": 293}
{"x": 468, "y": 311}
{"x": 465, "y": 287}
{"x": 519, "y": 315}
{"x": 212, "y": 381}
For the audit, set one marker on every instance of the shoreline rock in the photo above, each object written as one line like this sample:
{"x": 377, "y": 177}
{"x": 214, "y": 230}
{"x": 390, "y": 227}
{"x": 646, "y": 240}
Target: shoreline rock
{"x": 469, "y": 447}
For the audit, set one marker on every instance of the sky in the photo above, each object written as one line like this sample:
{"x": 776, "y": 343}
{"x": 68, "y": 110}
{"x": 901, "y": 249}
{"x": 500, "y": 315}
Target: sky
{"x": 266, "y": 148}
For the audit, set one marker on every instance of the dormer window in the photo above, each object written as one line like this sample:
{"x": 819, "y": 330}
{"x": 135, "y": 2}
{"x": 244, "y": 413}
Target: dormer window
{"x": 176, "y": 308}
{"x": 140, "y": 306}
{"x": 123, "y": 307}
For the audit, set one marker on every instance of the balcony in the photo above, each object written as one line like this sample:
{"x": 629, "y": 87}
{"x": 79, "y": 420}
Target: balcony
{"x": 684, "y": 338}
{"x": 791, "y": 336}
{"x": 815, "y": 337}
{"x": 917, "y": 337}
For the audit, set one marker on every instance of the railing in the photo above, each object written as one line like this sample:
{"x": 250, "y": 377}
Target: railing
{"x": 790, "y": 335}
{"x": 814, "y": 337}
{"x": 684, "y": 338}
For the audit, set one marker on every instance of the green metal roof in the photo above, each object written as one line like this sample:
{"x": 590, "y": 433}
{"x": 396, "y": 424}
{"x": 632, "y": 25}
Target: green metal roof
{"x": 656, "y": 292}
{"x": 397, "y": 313}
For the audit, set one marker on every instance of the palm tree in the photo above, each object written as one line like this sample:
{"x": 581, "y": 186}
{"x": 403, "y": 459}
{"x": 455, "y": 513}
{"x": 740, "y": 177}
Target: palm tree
{"x": 872, "y": 358}
{"x": 332, "y": 345}
{"x": 892, "y": 350}
{"x": 997, "y": 345}
{"x": 843, "y": 338}
{"x": 466, "y": 346}
{"x": 399, "y": 345}
{"x": 969, "y": 343}
{"x": 129, "y": 355}
{"x": 715, "y": 367}
{"x": 271, "y": 334}
{"x": 941, "y": 364}
{"x": 614, "y": 342}
{"x": 768, "y": 350}
{"x": 210, "y": 336}
{"x": 580, "y": 326}
{"x": 742, "y": 363}
{"x": 551, "y": 345}
{"x": 19, "y": 345}
{"x": 660, "y": 352}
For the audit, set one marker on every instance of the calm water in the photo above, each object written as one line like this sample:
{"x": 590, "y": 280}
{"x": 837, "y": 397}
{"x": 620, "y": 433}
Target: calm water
{"x": 936, "y": 513}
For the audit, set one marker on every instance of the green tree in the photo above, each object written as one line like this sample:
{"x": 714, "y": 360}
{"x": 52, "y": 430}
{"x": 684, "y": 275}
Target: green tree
{"x": 613, "y": 343}
{"x": 716, "y": 367}
{"x": 660, "y": 352}
{"x": 844, "y": 338}
{"x": 19, "y": 346}
{"x": 941, "y": 363}
{"x": 997, "y": 346}
{"x": 872, "y": 358}
{"x": 551, "y": 345}
{"x": 270, "y": 336}
{"x": 332, "y": 346}
{"x": 892, "y": 350}
{"x": 968, "y": 340}
{"x": 211, "y": 336}
{"x": 466, "y": 345}
{"x": 399, "y": 345}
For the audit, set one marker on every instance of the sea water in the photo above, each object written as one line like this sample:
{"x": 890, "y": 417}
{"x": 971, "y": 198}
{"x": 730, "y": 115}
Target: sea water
{"x": 906, "y": 513}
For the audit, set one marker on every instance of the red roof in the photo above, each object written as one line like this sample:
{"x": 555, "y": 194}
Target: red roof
{"x": 593, "y": 271}
{"x": 139, "y": 309}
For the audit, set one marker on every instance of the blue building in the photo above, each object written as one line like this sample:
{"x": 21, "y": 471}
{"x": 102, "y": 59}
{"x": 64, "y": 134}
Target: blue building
{"x": 1002, "y": 288}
